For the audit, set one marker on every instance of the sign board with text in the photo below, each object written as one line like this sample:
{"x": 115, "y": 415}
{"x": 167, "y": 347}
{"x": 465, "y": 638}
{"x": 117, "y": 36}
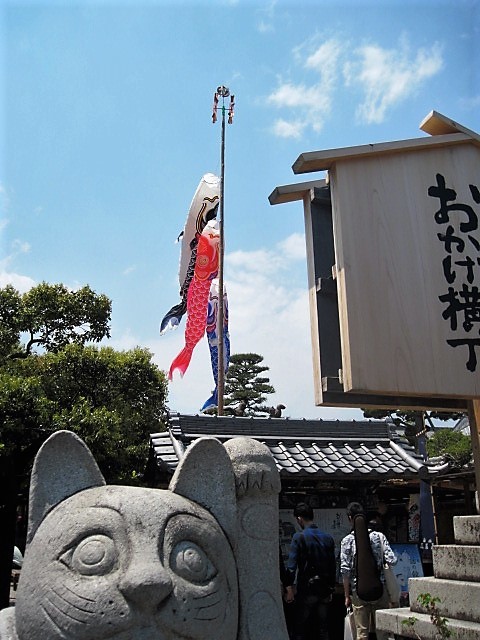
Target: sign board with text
{"x": 406, "y": 241}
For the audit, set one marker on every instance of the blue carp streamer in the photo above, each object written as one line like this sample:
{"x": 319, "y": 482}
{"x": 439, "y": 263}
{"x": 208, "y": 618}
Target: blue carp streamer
{"x": 212, "y": 336}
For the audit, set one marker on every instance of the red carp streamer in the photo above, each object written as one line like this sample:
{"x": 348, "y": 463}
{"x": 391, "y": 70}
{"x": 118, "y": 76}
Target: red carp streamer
{"x": 206, "y": 269}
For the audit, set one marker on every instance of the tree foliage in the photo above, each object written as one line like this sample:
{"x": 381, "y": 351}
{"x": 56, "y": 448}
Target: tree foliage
{"x": 403, "y": 418}
{"x": 409, "y": 419}
{"x": 111, "y": 399}
{"x": 456, "y": 447}
{"x": 51, "y": 378}
{"x": 244, "y": 384}
{"x": 51, "y": 316}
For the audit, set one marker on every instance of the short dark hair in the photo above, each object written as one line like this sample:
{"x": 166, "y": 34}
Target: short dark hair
{"x": 354, "y": 509}
{"x": 303, "y": 510}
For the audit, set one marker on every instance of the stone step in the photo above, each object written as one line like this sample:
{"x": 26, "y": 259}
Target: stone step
{"x": 391, "y": 620}
{"x": 457, "y": 562}
{"x": 466, "y": 529}
{"x": 459, "y": 599}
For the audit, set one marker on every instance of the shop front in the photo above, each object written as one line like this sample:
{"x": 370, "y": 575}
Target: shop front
{"x": 329, "y": 464}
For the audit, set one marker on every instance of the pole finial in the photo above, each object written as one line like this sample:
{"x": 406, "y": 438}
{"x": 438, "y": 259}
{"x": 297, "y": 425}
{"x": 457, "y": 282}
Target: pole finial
{"x": 223, "y": 92}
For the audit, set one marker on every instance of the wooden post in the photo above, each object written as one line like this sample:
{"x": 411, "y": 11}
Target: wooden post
{"x": 474, "y": 419}
{"x": 221, "y": 92}
{"x": 221, "y": 253}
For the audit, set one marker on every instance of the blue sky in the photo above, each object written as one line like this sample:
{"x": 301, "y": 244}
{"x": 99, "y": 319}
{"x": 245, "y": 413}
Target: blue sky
{"x": 106, "y": 130}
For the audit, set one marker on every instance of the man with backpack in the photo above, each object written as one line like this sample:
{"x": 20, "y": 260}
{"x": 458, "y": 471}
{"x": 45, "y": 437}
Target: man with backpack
{"x": 312, "y": 562}
{"x": 363, "y": 554}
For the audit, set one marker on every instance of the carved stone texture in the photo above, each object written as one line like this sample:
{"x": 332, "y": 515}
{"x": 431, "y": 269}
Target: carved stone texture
{"x": 258, "y": 484}
{"x": 149, "y": 564}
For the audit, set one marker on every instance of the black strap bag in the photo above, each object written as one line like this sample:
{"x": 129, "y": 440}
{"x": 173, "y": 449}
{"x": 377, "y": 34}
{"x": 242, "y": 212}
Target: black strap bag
{"x": 318, "y": 587}
{"x": 369, "y": 585}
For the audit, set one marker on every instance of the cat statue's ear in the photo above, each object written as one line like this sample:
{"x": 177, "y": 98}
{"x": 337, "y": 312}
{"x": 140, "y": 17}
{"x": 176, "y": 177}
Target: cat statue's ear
{"x": 205, "y": 475}
{"x": 63, "y": 466}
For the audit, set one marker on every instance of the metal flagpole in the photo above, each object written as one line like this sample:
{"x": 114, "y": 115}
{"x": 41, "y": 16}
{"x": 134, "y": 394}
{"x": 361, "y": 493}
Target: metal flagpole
{"x": 222, "y": 92}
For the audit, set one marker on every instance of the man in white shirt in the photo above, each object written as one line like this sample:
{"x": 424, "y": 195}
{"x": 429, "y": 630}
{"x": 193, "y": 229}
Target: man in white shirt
{"x": 364, "y": 610}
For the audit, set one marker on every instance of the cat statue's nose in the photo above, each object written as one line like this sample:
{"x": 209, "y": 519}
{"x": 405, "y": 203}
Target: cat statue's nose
{"x": 146, "y": 584}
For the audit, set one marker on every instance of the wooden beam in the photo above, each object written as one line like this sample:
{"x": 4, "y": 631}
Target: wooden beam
{"x": 322, "y": 160}
{"x": 436, "y": 124}
{"x": 293, "y": 192}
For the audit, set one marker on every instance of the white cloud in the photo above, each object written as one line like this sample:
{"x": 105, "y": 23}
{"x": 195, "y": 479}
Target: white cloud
{"x": 124, "y": 341}
{"x": 129, "y": 270}
{"x": 384, "y": 78}
{"x": 265, "y": 317}
{"x": 244, "y": 262}
{"x": 389, "y": 76}
{"x": 283, "y": 129}
{"x": 264, "y": 27}
{"x": 470, "y": 103}
{"x": 324, "y": 60}
{"x": 266, "y": 17}
{"x": 289, "y": 95}
{"x": 4, "y": 199}
{"x": 19, "y": 246}
{"x": 311, "y": 101}
{"x": 21, "y": 283}
{"x": 266, "y": 262}
{"x": 294, "y": 246}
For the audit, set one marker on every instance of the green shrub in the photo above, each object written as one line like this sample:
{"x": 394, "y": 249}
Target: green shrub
{"x": 455, "y": 446}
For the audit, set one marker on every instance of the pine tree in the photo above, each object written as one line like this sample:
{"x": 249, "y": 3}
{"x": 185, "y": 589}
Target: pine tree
{"x": 245, "y": 388}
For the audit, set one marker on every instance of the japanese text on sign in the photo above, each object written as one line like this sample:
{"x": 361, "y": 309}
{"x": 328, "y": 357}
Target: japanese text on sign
{"x": 462, "y": 258}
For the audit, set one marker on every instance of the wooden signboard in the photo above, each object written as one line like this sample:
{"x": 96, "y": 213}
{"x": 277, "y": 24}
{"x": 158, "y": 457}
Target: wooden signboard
{"x": 406, "y": 232}
{"x": 407, "y": 240}
{"x": 324, "y": 310}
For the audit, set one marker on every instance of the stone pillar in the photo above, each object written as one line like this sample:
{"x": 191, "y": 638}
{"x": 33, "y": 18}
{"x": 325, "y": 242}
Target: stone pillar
{"x": 257, "y": 546}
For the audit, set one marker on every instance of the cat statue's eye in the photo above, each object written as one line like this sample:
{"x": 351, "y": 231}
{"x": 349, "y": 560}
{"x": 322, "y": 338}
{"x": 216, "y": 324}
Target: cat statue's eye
{"x": 191, "y": 563}
{"x": 93, "y": 555}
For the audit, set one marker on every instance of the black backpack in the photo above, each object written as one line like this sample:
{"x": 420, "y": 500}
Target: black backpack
{"x": 316, "y": 580}
{"x": 369, "y": 585}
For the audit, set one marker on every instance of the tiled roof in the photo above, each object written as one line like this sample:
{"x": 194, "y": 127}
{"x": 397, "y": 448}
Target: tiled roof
{"x": 304, "y": 448}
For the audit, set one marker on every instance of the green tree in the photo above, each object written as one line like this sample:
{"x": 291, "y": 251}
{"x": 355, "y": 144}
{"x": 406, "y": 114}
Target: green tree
{"x": 23, "y": 411}
{"x": 453, "y": 445}
{"x": 411, "y": 421}
{"x": 51, "y": 316}
{"x": 111, "y": 399}
{"x": 245, "y": 387}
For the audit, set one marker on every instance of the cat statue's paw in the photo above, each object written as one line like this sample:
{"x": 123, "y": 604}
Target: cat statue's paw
{"x": 7, "y": 624}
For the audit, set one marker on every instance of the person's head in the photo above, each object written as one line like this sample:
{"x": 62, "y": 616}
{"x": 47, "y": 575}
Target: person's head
{"x": 354, "y": 509}
{"x": 303, "y": 513}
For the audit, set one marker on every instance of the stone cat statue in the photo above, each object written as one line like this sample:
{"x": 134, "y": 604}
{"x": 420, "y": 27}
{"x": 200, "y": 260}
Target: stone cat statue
{"x": 198, "y": 561}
